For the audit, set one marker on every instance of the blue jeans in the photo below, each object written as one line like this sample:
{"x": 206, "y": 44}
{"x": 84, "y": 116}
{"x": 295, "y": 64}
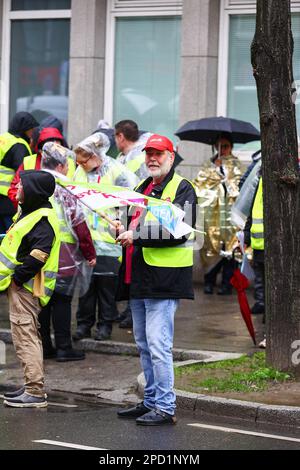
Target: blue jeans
{"x": 153, "y": 328}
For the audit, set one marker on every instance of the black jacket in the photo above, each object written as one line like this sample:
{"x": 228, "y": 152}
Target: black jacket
{"x": 20, "y": 123}
{"x": 150, "y": 282}
{"x": 38, "y": 187}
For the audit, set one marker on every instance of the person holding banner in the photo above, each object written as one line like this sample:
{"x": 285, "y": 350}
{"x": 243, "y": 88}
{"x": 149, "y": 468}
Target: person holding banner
{"x": 156, "y": 273}
{"x": 97, "y": 167}
{"x": 77, "y": 257}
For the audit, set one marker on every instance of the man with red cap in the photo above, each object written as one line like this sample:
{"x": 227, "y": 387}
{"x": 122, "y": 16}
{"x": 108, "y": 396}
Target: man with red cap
{"x": 156, "y": 273}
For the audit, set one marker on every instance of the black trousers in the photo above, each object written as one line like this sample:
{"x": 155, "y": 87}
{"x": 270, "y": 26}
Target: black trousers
{"x": 227, "y": 268}
{"x": 60, "y": 311}
{"x": 102, "y": 293}
{"x": 259, "y": 281}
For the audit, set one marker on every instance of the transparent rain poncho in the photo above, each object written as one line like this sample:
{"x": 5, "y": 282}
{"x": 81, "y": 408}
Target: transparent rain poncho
{"x": 117, "y": 173}
{"x": 242, "y": 206}
{"x": 74, "y": 273}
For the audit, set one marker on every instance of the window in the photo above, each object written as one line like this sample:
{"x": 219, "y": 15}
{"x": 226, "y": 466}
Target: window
{"x": 35, "y": 59}
{"x": 147, "y": 72}
{"x": 40, "y": 68}
{"x": 237, "y": 94}
{"x": 40, "y": 5}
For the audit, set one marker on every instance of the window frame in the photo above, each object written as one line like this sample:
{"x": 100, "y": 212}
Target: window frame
{"x": 8, "y": 17}
{"x": 227, "y": 10}
{"x": 115, "y": 10}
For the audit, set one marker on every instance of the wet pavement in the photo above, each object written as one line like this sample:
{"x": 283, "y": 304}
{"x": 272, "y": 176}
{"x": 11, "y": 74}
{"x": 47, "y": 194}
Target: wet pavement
{"x": 75, "y": 425}
{"x": 210, "y": 322}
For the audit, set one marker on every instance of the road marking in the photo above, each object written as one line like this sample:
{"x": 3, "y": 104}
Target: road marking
{"x": 248, "y": 433}
{"x": 66, "y": 444}
{"x": 52, "y": 403}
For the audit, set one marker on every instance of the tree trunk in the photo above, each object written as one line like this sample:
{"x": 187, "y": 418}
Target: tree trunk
{"x": 272, "y": 52}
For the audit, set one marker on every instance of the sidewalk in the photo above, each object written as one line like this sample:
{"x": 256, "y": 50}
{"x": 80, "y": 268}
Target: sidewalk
{"x": 211, "y": 322}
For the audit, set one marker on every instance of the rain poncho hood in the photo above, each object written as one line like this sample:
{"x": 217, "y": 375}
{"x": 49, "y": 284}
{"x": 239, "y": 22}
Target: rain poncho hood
{"x": 97, "y": 144}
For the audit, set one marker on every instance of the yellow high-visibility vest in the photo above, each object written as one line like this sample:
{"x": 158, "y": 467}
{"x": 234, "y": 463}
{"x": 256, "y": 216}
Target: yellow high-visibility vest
{"x": 257, "y": 228}
{"x": 10, "y": 246}
{"x": 7, "y": 141}
{"x": 172, "y": 257}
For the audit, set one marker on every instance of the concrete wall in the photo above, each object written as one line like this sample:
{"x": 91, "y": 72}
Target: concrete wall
{"x": 199, "y": 72}
{"x": 87, "y": 65}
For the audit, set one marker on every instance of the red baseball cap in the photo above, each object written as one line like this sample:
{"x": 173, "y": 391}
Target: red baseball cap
{"x": 159, "y": 142}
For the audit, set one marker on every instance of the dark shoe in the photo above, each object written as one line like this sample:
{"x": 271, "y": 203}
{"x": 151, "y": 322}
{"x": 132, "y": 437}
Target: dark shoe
{"x": 68, "y": 355}
{"x": 49, "y": 353}
{"x": 126, "y": 323}
{"x": 121, "y": 316}
{"x": 14, "y": 394}
{"x": 26, "y": 401}
{"x": 134, "y": 412}
{"x": 156, "y": 418}
{"x": 225, "y": 291}
{"x": 258, "y": 309}
{"x": 208, "y": 289}
{"x": 81, "y": 334}
{"x": 103, "y": 333}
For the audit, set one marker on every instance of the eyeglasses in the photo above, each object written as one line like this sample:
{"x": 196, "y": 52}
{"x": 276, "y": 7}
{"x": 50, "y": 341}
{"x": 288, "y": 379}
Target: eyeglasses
{"x": 83, "y": 162}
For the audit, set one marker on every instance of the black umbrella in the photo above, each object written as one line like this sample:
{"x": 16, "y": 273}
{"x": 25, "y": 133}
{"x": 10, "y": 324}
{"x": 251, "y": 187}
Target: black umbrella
{"x": 209, "y": 130}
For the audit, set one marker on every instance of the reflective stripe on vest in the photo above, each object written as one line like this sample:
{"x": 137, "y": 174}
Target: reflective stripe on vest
{"x": 174, "y": 257}
{"x": 7, "y": 141}
{"x": 10, "y": 246}
{"x": 257, "y": 228}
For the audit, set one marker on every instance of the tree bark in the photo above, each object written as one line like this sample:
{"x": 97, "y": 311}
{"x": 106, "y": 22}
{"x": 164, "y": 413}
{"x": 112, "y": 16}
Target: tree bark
{"x": 272, "y": 59}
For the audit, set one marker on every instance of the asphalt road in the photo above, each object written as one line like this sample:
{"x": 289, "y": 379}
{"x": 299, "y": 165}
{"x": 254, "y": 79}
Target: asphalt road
{"x": 70, "y": 425}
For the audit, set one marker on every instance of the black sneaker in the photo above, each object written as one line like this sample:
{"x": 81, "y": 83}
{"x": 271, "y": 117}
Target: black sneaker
{"x": 49, "y": 353}
{"x": 134, "y": 411}
{"x": 208, "y": 289}
{"x": 81, "y": 334}
{"x": 258, "y": 309}
{"x": 126, "y": 323}
{"x": 104, "y": 333}
{"x": 14, "y": 394}
{"x": 69, "y": 355}
{"x": 225, "y": 291}
{"x": 26, "y": 401}
{"x": 156, "y": 418}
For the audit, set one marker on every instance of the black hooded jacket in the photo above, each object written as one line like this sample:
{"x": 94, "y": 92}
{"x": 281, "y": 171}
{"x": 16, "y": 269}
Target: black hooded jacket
{"x": 149, "y": 282}
{"x": 38, "y": 186}
{"x": 20, "y": 123}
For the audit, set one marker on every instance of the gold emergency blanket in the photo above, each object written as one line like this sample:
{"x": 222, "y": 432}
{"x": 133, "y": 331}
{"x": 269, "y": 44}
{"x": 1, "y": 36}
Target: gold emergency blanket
{"x": 217, "y": 193}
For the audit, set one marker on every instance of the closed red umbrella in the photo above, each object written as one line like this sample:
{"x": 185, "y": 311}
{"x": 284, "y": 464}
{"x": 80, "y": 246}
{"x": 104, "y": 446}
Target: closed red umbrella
{"x": 240, "y": 283}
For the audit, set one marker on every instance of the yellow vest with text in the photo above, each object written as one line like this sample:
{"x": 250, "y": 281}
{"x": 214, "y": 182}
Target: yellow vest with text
{"x": 98, "y": 226}
{"x": 257, "y": 228}
{"x": 7, "y": 141}
{"x": 11, "y": 244}
{"x": 173, "y": 257}
{"x": 30, "y": 164}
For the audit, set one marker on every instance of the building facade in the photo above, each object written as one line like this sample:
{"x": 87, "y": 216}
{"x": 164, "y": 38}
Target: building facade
{"x": 158, "y": 62}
